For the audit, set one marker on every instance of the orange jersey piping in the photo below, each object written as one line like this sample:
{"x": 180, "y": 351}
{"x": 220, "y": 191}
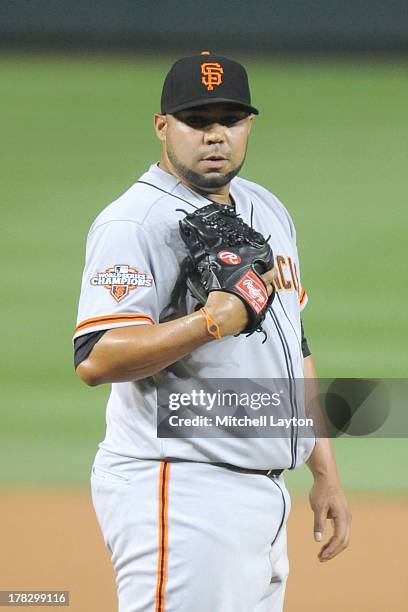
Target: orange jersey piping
{"x": 106, "y": 319}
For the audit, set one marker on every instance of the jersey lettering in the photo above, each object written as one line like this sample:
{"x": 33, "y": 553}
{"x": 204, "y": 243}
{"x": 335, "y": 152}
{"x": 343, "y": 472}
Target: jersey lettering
{"x": 293, "y": 274}
{"x": 281, "y": 262}
{"x": 283, "y": 283}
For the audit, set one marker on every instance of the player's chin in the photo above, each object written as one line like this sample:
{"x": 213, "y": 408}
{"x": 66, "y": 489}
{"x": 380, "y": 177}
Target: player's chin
{"x": 215, "y": 177}
{"x": 212, "y": 180}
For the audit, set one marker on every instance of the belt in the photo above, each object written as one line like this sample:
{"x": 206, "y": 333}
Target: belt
{"x": 234, "y": 468}
{"x": 229, "y": 466}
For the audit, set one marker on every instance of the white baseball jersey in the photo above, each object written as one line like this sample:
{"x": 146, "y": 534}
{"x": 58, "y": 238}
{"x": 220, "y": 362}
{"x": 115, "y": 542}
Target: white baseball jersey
{"x": 133, "y": 259}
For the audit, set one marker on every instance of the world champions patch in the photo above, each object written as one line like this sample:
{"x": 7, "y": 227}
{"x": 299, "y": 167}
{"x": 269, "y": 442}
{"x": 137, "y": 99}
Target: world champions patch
{"x": 120, "y": 280}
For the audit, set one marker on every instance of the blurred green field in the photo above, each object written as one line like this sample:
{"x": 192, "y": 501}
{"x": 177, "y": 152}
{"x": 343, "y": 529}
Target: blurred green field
{"x": 331, "y": 142}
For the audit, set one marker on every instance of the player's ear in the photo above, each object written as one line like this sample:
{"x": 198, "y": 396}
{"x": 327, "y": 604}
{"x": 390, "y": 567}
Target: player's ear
{"x": 160, "y": 126}
{"x": 250, "y": 119}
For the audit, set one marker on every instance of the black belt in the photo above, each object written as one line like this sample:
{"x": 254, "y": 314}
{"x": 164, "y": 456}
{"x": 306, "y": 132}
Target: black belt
{"x": 229, "y": 466}
{"x": 234, "y": 468}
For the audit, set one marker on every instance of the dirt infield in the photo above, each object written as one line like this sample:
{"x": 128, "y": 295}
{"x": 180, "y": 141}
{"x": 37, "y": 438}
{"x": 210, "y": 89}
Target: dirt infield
{"x": 50, "y": 540}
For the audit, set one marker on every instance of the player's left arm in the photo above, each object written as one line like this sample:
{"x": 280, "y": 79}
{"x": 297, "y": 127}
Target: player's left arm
{"x": 326, "y": 497}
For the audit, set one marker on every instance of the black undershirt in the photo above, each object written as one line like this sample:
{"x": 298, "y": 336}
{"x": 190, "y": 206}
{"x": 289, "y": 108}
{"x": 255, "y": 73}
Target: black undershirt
{"x": 84, "y": 345}
{"x": 305, "y": 347}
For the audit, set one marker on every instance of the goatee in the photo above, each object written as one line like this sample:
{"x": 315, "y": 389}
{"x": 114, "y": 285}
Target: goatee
{"x": 204, "y": 182}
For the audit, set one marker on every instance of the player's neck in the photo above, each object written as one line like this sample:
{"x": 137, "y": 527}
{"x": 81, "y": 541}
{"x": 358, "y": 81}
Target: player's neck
{"x": 221, "y": 196}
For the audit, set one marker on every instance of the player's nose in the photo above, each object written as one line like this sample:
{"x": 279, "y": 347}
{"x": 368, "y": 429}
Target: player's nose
{"x": 214, "y": 133}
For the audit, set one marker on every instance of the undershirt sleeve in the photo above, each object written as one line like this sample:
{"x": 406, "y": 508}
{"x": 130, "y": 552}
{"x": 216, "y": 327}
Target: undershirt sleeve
{"x": 83, "y": 345}
{"x": 305, "y": 347}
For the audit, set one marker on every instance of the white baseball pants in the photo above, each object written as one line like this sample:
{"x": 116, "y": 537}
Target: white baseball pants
{"x": 192, "y": 537}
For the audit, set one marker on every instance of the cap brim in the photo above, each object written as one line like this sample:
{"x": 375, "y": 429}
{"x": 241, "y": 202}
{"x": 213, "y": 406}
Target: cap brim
{"x": 207, "y": 102}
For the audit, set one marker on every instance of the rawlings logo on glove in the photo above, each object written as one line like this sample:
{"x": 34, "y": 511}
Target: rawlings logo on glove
{"x": 229, "y": 258}
{"x": 253, "y": 291}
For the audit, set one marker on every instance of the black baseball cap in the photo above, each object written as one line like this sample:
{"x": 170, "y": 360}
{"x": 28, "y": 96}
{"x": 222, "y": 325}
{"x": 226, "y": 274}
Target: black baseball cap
{"x": 205, "y": 79}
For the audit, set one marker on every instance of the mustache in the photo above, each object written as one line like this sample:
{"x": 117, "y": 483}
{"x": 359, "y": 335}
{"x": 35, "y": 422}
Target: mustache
{"x": 215, "y": 153}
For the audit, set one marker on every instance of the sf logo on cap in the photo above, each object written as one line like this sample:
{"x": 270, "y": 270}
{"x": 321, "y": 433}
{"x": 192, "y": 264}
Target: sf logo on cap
{"x": 211, "y": 74}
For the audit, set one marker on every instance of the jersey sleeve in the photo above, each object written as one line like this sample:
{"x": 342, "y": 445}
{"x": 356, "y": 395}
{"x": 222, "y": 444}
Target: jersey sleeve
{"x": 118, "y": 287}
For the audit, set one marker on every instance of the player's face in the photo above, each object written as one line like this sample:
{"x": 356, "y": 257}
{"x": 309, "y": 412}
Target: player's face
{"x": 205, "y": 146}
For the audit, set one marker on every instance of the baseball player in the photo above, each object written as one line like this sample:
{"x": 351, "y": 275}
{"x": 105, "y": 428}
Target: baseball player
{"x": 195, "y": 524}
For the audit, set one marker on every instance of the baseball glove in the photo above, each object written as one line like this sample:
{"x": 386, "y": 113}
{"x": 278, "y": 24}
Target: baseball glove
{"x": 225, "y": 254}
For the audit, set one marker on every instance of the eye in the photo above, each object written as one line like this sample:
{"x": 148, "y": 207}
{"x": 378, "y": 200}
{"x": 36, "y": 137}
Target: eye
{"x": 195, "y": 121}
{"x": 230, "y": 120}
{"x": 200, "y": 122}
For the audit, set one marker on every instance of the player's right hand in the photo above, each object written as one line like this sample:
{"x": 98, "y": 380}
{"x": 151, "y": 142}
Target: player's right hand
{"x": 269, "y": 278}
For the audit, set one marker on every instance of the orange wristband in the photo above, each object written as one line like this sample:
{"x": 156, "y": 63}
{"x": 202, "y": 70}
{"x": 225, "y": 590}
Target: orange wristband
{"x": 212, "y": 326}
